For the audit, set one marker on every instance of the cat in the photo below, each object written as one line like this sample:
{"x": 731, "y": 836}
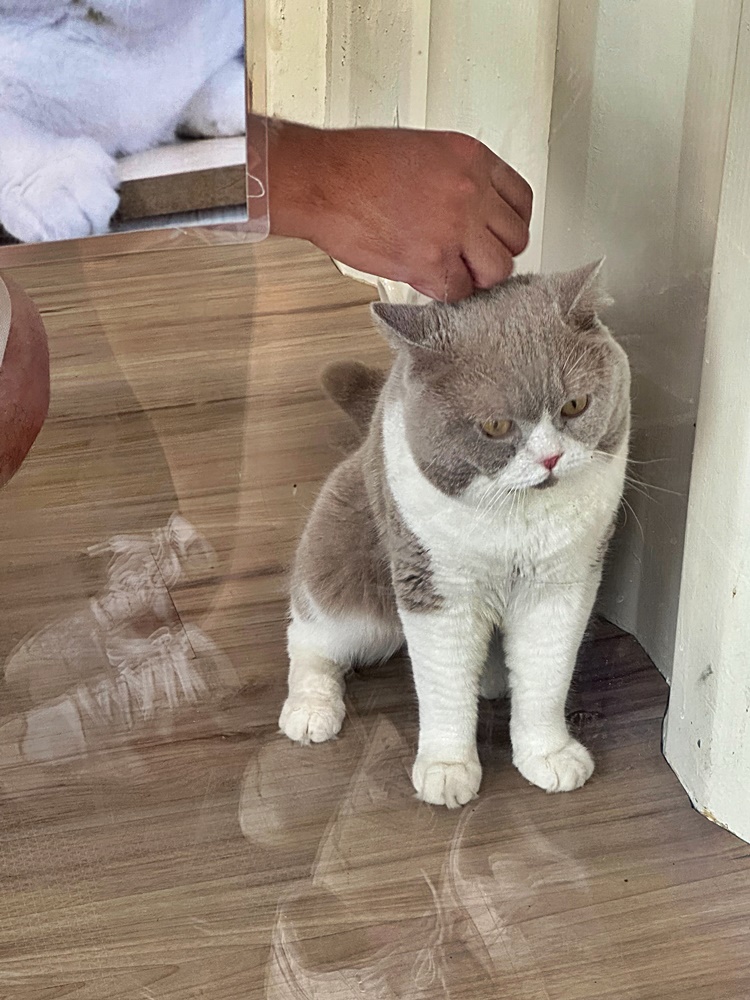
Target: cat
{"x": 84, "y": 82}
{"x": 471, "y": 522}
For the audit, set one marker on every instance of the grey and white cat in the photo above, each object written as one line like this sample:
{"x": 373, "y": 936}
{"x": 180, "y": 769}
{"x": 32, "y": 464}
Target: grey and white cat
{"x": 83, "y": 81}
{"x": 471, "y": 522}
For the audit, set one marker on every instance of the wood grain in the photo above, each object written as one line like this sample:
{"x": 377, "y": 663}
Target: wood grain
{"x": 194, "y": 852}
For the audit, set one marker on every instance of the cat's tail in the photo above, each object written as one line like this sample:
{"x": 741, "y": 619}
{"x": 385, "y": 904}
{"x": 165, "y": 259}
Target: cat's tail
{"x": 355, "y": 388}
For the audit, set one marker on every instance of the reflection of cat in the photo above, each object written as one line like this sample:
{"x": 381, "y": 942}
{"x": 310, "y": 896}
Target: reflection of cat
{"x": 481, "y": 498}
{"x": 81, "y": 83}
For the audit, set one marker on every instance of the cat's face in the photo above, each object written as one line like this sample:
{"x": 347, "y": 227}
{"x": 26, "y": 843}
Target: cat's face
{"x": 520, "y": 386}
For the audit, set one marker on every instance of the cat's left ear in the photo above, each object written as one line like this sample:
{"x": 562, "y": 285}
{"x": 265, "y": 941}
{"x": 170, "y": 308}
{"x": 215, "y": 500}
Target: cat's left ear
{"x": 580, "y": 294}
{"x": 410, "y": 325}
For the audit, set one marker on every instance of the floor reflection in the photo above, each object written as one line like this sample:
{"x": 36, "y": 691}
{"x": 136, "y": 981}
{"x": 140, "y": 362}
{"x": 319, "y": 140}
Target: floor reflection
{"x": 141, "y": 709}
{"x": 122, "y": 668}
{"x": 388, "y": 911}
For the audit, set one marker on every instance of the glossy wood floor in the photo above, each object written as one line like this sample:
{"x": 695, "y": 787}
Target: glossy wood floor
{"x": 158, "y": 839}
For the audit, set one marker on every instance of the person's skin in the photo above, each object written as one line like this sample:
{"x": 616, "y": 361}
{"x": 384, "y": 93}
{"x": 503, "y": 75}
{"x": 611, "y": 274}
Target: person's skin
{"x": 24, "y": 379}
{"x": 437, "y": 210}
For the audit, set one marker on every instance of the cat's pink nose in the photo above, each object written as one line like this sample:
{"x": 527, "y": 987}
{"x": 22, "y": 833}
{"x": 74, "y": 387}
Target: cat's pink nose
{"x": 551, "y": 461}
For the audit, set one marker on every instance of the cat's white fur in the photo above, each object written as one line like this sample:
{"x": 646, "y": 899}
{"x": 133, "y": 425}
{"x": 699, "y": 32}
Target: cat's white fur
{"x": 547, "y": 544}
{"x": 81, "y": 83}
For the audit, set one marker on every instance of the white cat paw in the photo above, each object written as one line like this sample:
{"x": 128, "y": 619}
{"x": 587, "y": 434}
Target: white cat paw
{"x": 70, "y": 192}
{"x": 311, "y": 718}
{"x": 561, "y": 771}
{"x": 446, "y": 784}
{"x": 218, "y": 109}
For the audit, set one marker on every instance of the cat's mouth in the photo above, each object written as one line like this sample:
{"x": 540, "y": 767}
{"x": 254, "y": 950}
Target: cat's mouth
{"x": 545, "y": 484}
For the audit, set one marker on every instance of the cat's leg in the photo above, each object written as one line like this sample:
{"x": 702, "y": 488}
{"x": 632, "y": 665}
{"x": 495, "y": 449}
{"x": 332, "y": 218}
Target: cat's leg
{"x": 218, "y": 109}
{"x": 322, "y": 648}
{"x": 543, "y": 631}
{"x": 53, "y": 188}
{"x": 448, "y": 648}
{"x": 343, "y": 609}
{"x": 494, "y": 680}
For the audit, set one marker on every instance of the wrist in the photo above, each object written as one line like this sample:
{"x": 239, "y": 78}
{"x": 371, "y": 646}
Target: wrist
{"x": 297, "y": 189}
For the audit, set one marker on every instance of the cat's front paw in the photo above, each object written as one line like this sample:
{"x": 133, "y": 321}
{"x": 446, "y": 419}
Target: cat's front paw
{"x": 218, "y": 109}
{"x": 70, "y": 192}
{"x": 560, "y": 771}
{"x": 446, "y": 783}
{"x": 312, "y": 718}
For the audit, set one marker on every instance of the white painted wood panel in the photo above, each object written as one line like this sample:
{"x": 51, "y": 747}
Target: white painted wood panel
{"x": 639, "y": 121}
{"x": 486, "y": 68}
{"x": 378, "y": 57}
{"x": 492, "y": 68}
{"x": 707, "y": 731}
{"x": 296, "y": 57}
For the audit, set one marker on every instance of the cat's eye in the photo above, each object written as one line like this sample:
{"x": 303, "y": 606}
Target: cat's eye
{"x": 495, "y": 428}
{"x": 575, "y": 407}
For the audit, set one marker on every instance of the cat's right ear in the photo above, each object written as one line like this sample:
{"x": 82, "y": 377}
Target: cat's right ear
{"x": 410, "y": 326}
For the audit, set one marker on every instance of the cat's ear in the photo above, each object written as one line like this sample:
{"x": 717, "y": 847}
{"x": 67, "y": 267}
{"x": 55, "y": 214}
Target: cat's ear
{"x": 581, "y": 296}
{"x": 413, "y": 326}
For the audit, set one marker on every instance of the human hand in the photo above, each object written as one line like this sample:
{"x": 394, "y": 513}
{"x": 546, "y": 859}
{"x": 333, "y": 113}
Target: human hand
{"x": 24, "y": 377}
{"x": 437, "y": 210}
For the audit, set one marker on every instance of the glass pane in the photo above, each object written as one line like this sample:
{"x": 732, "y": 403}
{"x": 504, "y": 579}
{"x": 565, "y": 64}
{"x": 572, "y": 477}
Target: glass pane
{"x": 160, "y": 838}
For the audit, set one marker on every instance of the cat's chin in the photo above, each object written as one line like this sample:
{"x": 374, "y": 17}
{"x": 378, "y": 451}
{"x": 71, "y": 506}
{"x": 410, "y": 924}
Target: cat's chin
{"x": 546, "y": 483}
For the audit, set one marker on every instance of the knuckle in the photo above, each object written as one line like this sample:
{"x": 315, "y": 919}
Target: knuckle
{"x": 505, "y": 270}
{"x": 502, "y": 270}
{"x": 466, "y": 186}
{"x": 518, "y": 240}
{"x": 434, "y": 258}
{"x": 525, "y": 196}
{"x": 466, "y": 143}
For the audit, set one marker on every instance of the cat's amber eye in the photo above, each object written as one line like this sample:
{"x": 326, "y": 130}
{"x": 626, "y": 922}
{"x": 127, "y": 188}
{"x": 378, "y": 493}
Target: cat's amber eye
{"x": 575, "y": 407}
{"x": 495, "y": 428}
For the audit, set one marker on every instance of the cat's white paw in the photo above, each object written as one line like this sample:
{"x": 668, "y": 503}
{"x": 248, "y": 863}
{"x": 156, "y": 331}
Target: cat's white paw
{"x": 561, "y": 771}
{"x": 446, "y": 784}
{"x": 218, "y": 109}
{"x": 311, "y": 718}
{"x": 69, "y": 192}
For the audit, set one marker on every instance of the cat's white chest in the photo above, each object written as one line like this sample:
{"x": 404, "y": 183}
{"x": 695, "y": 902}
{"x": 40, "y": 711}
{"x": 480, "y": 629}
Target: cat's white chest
{"x": 538, "y": 535}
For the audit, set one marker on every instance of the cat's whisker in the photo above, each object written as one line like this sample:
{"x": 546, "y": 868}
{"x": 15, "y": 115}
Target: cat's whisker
{"x": 641, "y": 493}
{"x": 632, "y": 481}
{"x": 639, "y": 484}
{"x": 491, "y": 502}
{"x": 634, "y": 461}
{"x": 629, "y": 507}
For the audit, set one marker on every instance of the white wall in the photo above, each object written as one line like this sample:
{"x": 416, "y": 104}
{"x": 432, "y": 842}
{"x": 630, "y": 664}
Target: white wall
{"x": 638, "y": 132}
{"x": 338, "y": 64}
{"x": 296, "y": 57}
{"x": 708, "y": 722}
{"x": 491, "y": 73}
{"x": 630, "y": 166}
{"x": 485, "y": 68}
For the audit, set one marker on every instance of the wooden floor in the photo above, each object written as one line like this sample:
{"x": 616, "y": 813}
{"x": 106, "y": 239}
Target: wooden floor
{"x": 159, "y": 840}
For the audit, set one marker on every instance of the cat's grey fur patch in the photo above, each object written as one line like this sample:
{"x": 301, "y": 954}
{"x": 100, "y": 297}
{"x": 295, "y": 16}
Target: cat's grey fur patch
{"x": 522, "y": 348}
{"x": 514, "y": 352}
{"x": 356, "y": 554}
{"x": 355, "y": 388}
